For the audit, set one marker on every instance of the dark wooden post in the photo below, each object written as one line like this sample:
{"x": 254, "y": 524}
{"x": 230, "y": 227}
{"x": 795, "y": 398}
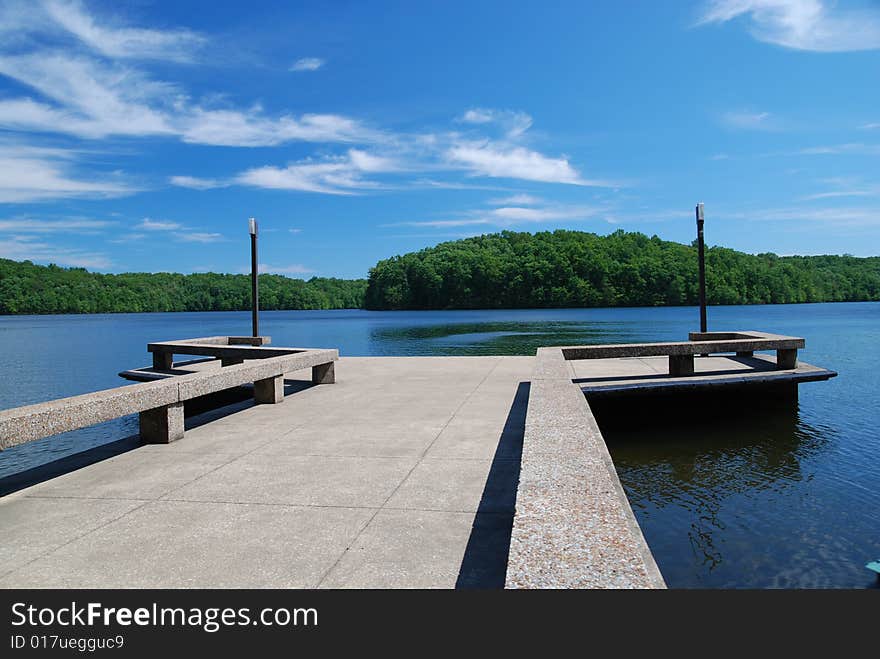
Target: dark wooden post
{"x": 702, "y": 258}
{"x": 255, "y": 287}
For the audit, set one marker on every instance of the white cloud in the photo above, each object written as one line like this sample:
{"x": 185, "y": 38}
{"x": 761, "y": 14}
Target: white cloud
{"x": 502, "y": 161}
{"x": 857, "y": 217}
{"x": 252, "y": 128}
{"x": 93, "y": 97}
{"x": 841, "y": 149}
{"x": 19, "y": 248}
{"x": 509, "y": 215}
{"x": 307, "y": 64}
{"x": 514, "y": 123}
{"x": 28, "y": 225}
{"x": 749, "y": 120}
{"x": 341, "y": 175}
{"x": 519, "y": 214}
{"x": 196, "y": 183}
{"x": 129, "y": 238}
{"x": 516, "y": 200}
{"x": 293, "y": 269}
{"x": 120, "y": 41}
{"x": 843, "y": 187}
{"x": 198, "y": 237}
{"x": 179, "y": 231}
{"x": 158, "y": 225}
{"x": 814, "y": 25}
{"x": 34, "y": 174}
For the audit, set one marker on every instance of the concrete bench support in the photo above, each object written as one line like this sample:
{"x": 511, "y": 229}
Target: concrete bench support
{"x": 786, "y": 359}
{"x": 270, "y": 390}
{"x": 163, "y": 360}
{"x": 162, "y": 425}
{"x": 324, "y": 373}
{"x": 681, "y": 365}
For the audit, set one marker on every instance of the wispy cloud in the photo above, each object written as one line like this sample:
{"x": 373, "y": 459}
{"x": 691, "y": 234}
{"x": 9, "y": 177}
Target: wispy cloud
{"x": 198, "y": 237}
{"x": 506, "y": 216}
{"x": 850, "y": 148}
{"x": 21, "y": 248}
{"x": 516, "y": 200}
{"x": 158, "y": 225}
{"x": 340, "y": 175}
{"x": 196, "y": 183}
{"x": 307, "y": 64}
{"x": 29, "y": 225}
{"x": 814, "y": 25}
{"x": 96, "y": 92}
{"x": 843, "y": 187}
{"x": 513, "y": 123}
{"x": 745, "y": 120}
{"x": 502, "y": 161}
{"x": 836, "y": 217}
{"x": 122, "y": 41}
{"x": 292, "y": 269}
{"x": 34, "y": 174}
{"x": 870, "y": 126}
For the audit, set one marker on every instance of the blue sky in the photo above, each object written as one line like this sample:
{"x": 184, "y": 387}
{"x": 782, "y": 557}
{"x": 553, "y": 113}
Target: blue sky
{"x": 141, "y": 138}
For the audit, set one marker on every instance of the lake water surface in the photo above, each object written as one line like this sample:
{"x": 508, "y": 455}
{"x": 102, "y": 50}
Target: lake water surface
{"x": 785, "y": 496}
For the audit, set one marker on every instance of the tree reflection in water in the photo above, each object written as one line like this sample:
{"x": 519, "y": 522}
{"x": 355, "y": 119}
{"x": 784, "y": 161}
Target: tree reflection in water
{"x": 688, "y": 461}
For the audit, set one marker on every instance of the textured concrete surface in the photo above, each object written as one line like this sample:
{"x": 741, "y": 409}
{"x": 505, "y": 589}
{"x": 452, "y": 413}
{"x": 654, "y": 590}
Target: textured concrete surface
{"x": 731, "y": 342}
{"x": 31, "y": 422}
{"x": 403, "y": 474}
{"x": 649, "y": 374}
{"x": 573, "y": 527}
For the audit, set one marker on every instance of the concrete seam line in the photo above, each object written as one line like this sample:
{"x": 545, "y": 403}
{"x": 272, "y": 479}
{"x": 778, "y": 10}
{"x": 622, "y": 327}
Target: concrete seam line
{"x": 408, "y": 474}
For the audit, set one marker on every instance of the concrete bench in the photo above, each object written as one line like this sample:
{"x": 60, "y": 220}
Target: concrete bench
{"x": 681, "y": 354}
{"x": 160, "y": 403}
{"x": 230, "y": 350}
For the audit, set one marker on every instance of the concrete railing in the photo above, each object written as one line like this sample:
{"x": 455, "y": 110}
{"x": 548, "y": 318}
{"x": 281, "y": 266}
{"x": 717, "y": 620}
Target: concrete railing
{"x": 681, "y": 354}
{"x": 160, "y": 403}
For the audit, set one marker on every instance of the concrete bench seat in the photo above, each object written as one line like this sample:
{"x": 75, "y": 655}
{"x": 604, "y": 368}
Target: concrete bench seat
{"x": 681, "y": 354}
{"x": 160, "y": 403}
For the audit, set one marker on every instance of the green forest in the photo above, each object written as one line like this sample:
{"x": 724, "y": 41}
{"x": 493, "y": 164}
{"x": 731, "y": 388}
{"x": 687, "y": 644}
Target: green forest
{"x": 503, "y": 270}
{"x": 578, "y": 269}
{"x": 26, "y": 288}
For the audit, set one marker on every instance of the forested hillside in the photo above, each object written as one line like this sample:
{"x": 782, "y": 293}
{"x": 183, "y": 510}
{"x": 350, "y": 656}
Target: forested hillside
{"x": 577, "y": 269}
{"x": 504, "y": 270}
{"x": 29, "y": 288}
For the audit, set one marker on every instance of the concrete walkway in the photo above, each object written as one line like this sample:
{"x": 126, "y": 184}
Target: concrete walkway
{"x": 403, "y": 474}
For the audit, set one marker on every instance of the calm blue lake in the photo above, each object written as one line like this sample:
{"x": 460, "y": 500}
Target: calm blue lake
{"x": 782, "y": 497}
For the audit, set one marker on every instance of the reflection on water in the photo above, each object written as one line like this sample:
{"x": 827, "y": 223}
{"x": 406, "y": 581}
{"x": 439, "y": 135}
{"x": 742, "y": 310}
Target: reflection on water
{"x": 493, "y": 337}
{"x": 696, "y": 453}
{"x": 713, "y": 482}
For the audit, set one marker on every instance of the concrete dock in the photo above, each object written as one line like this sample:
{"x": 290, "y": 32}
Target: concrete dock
{"x": 402, "y": 474}
{"x": 409, "y": 472}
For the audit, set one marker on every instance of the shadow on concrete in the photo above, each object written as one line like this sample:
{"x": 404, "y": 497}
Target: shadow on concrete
{"x": 485, "y": 559}
{"x": 198, "y": 411}
{"x": 22, "y": 479}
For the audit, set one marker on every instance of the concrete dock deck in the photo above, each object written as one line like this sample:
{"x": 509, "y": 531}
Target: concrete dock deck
{"x": 409, "y": 472}
{"x": 403, "y": 474}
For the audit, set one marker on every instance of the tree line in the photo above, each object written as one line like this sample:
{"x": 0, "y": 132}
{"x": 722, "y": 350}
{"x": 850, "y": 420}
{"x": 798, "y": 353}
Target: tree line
{"x": 503, "y": 270}
{"x": 578, "y": 269}
{"x": 26, "y": 288}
